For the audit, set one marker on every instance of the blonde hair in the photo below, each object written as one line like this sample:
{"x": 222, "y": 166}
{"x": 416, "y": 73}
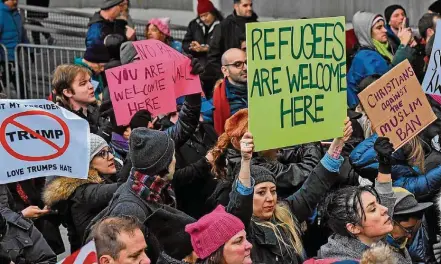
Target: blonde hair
{"x": 381, "y": 254}
{"x": 415, "y": 154}
{"x": 285, "y": 220}
{"x": 63, "y": 78}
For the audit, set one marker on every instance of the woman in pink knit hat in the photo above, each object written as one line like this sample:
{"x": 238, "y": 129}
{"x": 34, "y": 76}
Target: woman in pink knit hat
{"x": 219, "y": 237}
{"x": 159, "y": 29}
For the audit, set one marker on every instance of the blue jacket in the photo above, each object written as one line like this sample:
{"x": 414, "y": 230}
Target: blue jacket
{"x": 11, "y": 29}
{"x": 366, "y": 62}
{"x": 369, "y": 62}
{"x": 237, "y": 102}
{"x": 364, "y": 161}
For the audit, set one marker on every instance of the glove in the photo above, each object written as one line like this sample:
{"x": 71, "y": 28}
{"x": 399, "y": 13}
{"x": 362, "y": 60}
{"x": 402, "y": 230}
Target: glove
{"x": 384, "y": 149}
{"x": 196, "y": 66}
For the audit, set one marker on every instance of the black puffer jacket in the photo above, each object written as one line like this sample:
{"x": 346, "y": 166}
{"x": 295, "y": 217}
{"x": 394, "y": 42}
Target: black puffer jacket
{"x": 227, "y": 35}
{"x": 435, "y": 128}
{"x": 78, "y": 201}
{"x": 197, "y": 31}
{"x": 23, "y": 242}
{"x": 266, "y": 247}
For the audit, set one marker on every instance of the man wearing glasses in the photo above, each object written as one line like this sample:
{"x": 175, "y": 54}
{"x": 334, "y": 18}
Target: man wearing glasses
{"x": 230, "y": 95}
{"x": 409, "y": 228}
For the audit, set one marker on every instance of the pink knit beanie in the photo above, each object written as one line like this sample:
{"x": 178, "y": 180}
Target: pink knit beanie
{"x": 212, "y": 231}
{"x": 162, "y": 24}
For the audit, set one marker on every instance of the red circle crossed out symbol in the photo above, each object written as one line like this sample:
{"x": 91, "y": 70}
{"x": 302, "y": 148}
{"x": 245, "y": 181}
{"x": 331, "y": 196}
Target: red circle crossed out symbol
{"x": 11, "y": 121}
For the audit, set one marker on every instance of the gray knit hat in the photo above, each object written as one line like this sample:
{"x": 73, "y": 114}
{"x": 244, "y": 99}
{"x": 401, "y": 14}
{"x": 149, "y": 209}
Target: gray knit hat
{"x": 127, "y": 52}
{"x": 151, "y": 151}
{"x": 110, "y": 3}
{"x": 261, "y": 174}
{"x": 97, "y": 143}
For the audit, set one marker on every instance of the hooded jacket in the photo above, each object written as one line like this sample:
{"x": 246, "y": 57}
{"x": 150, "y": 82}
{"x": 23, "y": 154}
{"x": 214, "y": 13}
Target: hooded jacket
{"x": 12, "y": 32}
{"x": 422, "y": 185}
{"x": 78, "y": 200}
{"x": 367, "y": 60}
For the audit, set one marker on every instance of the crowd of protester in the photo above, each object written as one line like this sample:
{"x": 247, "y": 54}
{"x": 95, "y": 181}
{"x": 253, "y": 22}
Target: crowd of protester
{"x": 188, "y": 187}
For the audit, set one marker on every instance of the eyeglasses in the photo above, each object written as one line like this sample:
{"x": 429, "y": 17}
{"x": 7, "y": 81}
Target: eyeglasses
{"x": 237, "y": 64}
{"x": 410, "y": 230}
{"x": 104, "y": 153}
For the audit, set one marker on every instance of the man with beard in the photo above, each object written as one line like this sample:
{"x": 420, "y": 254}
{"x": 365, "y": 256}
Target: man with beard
{"x": 230, "y": 95}
{"x": 229, "y": 34}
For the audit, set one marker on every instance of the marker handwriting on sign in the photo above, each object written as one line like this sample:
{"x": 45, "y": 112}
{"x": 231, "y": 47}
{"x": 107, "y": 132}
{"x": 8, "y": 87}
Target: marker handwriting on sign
{"x": 396, "y": 105}
{"x": 434, "y": 85}
{"x": 294, "y": 43}
{"x": 38, "y": 169}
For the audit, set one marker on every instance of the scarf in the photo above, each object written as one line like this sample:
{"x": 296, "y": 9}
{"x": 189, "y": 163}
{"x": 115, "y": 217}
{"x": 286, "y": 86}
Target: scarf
{"x": 221, "y": 107}
{"x": 383, "y": 49}
{"x": 147, "y": 187}
{"x": 120, "y": 143}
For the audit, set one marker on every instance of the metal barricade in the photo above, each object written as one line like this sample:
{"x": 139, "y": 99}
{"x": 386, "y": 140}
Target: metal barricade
{"x": 34, "y": 65}
{"x": 69, "y": 27}
{"x": 5, "y": 81}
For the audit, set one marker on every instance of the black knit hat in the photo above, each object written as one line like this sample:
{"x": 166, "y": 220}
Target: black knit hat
{"x": 140, "y": 119}
{"x": 168, "y": 226}
{"x": 390, "y": 10}
{"x": 151, "y": 151}
{"x": 435, "y": 7}
{"x": 261, "y": 174}
{"x": 110, "y": 3}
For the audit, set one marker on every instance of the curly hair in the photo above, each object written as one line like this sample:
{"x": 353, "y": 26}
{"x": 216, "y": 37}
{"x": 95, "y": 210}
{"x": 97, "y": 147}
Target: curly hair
{"x": 235, "y": 127}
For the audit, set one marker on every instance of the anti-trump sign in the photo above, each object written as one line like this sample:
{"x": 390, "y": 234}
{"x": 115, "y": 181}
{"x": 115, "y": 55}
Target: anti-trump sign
{"x": 397, "y": 106}
{"x": 39, "y": 138}
{"x": 296, "y": 81}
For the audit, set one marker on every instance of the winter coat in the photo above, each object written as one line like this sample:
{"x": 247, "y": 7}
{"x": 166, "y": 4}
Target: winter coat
{"x": 78, "y": 201}
{"x": 350, "y": 248}
{"x": 420, "y": 249}
{"x": 98, "y": 29}
{"x": 27, "y": 193}
{"x": 35, "y": 14}
{"x": 197, "y": 146}
{"x": 197, "y": 31}
{"x": 12, "y": 32}
{"x": 422, "y": 185}
{"x": 193, "y": 185}
{"x": 23, "y": 242}
{"x": 369, "y": 62}
{"x": 266, "y": 247}
{"x": 184, "y": 128}
{"x": 227, "y": 35}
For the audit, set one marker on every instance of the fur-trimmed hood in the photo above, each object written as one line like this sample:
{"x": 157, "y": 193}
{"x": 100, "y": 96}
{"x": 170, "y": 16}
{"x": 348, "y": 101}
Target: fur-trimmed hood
{"x": 61, "y": 188}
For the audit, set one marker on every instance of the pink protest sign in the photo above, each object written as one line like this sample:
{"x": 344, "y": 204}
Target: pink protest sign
{"x": 141, "y": 85}
{"x": 158, "y": 52}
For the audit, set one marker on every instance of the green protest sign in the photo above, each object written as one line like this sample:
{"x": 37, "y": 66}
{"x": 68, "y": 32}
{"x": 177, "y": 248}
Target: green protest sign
{"x": 296, "y": 81}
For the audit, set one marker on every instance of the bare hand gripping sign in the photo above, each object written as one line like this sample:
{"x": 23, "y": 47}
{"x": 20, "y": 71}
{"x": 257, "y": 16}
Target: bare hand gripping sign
{"x": 39, "y": 139}
{"x": 296, "y": 81}
{"x": 396, "y": 105}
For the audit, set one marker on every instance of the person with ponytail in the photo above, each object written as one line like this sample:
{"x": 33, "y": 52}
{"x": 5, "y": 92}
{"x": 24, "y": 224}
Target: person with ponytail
{"x": 272, "y": 225}
{"x": 361, "y": 217}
